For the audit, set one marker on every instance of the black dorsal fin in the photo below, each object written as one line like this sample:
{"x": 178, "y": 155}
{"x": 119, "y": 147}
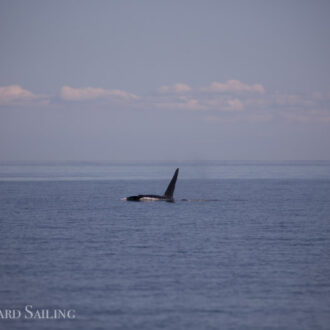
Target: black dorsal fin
{"x": 170, "y": 189}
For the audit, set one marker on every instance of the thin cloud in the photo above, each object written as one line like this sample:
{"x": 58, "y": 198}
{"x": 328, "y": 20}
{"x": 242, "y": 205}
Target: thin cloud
{"x": 294, "y": 100}
{"x": 235, "y": 104}
{"x": 199, "y": 104}
{"x": 16, "y": 95}
{"x": 175, "y": 88}
{"x": 181, "y": 104}
{"x": 90, "y": 93}
{"x": 233, "y": 86}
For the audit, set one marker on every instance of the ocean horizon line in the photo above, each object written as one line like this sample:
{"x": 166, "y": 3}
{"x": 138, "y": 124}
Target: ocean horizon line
{"x": 206, "y": 162}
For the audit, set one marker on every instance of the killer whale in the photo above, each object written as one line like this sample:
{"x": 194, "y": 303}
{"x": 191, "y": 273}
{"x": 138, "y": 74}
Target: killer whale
{"x": 168, "y": 195}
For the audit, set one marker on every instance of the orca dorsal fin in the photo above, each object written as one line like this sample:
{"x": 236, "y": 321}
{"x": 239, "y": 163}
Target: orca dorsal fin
{"x": 170, "y": 189}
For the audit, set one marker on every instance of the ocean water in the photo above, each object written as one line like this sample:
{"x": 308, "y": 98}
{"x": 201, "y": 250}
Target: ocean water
{"x": 248, "y": 248}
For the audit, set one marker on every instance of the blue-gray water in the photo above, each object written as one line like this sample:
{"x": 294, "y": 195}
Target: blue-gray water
{"x": 250, "y": 249}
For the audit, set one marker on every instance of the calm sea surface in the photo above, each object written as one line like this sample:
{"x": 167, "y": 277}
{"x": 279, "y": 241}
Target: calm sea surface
{"x": 245, "y": 246}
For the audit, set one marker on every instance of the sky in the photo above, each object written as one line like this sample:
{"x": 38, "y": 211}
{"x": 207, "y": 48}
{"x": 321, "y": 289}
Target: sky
{"x": 164, "y": 80}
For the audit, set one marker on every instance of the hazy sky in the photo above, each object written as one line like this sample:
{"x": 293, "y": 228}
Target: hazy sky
{"x": 164, "y": 80}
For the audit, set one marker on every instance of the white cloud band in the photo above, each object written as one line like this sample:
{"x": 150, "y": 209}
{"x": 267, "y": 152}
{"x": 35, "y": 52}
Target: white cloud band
{"x": 233, "y": 86}
{"x": 231, "y": 99}
{"x": 90, "y": 93}
{"x": 16, "y": 95}
{"x": 175, "y": 88}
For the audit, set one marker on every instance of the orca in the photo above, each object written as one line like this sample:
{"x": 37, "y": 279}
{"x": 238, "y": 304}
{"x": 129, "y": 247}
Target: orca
{"x": 167, "y": 197}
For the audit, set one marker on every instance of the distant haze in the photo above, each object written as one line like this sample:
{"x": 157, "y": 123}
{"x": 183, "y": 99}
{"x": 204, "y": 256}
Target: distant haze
{"x": 164, "y": 80}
